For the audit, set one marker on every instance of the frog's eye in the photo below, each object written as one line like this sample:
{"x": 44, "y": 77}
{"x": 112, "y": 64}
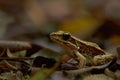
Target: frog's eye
{"x": 66, "y": 36}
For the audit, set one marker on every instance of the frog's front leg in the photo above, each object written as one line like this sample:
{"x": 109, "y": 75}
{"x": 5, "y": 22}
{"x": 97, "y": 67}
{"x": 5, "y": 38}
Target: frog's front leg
{"x": 81, "y": 59}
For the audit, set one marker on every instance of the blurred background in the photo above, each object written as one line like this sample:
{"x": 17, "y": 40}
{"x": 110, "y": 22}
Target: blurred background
{"x": 32, "y": 20}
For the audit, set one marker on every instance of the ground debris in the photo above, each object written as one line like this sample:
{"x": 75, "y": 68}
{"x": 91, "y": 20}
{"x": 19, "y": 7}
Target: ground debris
{"x": 13, "y": 76}
{"x": 97, "y": 77}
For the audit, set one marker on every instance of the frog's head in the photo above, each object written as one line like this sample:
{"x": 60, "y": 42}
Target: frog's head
{"x": 63, "y": 38}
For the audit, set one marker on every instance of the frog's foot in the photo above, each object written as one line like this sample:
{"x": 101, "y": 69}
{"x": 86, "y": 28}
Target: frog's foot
{"x": 102, "y": 59}
{"x": 81, "y": 59}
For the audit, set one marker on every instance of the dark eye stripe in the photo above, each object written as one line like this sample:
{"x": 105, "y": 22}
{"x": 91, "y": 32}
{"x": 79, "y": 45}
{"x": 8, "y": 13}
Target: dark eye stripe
{"x": 66, "y": 36}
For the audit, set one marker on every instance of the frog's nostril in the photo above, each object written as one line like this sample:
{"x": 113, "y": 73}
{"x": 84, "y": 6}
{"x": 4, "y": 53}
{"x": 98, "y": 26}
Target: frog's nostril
{"x": 48, "y": 35}
{"x": 52, "y": 36}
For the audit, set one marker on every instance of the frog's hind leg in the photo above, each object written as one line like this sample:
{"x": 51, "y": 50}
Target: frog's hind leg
{"x": 81, "y": 59}
{"x": 102, "y": 59}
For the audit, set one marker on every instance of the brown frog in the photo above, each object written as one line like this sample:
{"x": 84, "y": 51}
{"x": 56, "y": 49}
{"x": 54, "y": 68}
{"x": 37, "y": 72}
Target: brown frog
{"x": 87, "y": 53}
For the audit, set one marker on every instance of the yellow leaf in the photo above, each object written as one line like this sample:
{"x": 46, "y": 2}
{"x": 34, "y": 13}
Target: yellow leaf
{"x": 81, "y": 26}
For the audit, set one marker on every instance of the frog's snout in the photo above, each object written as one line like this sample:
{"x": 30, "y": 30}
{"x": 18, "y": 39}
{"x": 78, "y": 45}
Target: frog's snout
{"x": 53, "y": 37}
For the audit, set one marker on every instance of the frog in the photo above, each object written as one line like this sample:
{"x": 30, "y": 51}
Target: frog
{"x": 87, "y": 53}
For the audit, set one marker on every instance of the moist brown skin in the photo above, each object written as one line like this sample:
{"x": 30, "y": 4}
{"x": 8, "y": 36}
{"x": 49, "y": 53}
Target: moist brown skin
{"x": 94, "y": 54}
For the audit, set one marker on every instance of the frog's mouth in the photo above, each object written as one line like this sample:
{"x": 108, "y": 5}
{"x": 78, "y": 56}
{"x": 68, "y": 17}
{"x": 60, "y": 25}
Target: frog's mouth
{"x": 54, "y": 37}
{"x": 60, "y": 41}
{"x": 57, "y": 39}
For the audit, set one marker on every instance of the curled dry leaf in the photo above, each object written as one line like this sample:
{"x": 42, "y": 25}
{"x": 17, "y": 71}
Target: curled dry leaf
{"x": 9, "y": 54}
{"x": 16, "y": 54}
{"x": 13, "y": 48}
{"x": 14, "y": 45}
